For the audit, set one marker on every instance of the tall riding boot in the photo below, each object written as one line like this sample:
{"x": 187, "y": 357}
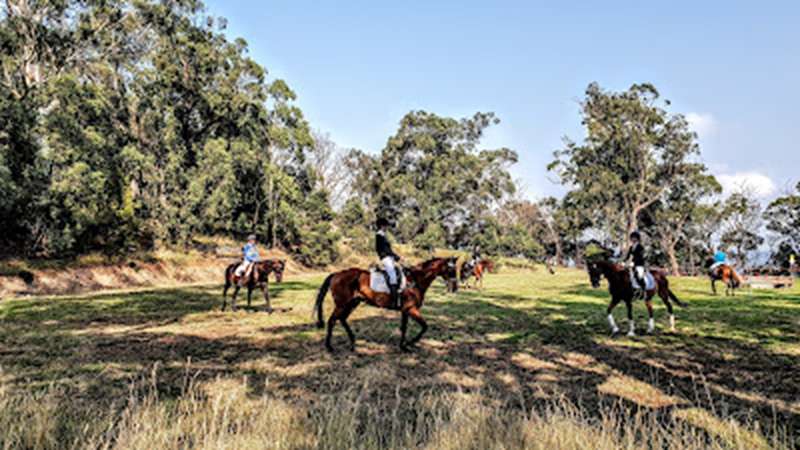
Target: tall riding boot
{"x": 394, "y": 292}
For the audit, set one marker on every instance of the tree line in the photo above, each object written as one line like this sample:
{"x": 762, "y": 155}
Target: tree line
{"x": 127, "y": 125}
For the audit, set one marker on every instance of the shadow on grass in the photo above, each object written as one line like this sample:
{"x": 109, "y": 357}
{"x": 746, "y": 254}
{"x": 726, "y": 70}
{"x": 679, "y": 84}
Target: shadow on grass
{"x": 478, "y": 341}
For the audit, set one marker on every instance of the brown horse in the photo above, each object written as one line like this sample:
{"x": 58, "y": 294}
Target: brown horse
{"x": 621, "y": 289}
{"x": 350, "y": 287}
{"x": 469, "y": 270}
{"x": 727, "y": 275}
{"x": 259, "y": 276}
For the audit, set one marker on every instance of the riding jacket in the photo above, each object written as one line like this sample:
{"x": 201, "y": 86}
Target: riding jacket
{"x": 383, "y": 247}
{"x": 637, "y": 253}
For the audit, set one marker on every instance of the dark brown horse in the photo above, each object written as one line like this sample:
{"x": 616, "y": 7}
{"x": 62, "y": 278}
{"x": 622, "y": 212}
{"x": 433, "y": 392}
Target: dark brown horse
{"x": 259, "y": 277}
{"x": 621, "y": 289}
{"x": 476, "y": 270}
{"x": 351, "y": 287}
{"x": 727, "y": 275}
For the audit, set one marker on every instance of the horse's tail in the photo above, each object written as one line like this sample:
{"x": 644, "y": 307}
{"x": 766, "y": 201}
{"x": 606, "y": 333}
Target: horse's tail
{"x": 320, "y": 298}
{"x": 675, "y": 299}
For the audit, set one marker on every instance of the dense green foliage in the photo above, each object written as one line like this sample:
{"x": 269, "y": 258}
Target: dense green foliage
{"x": 783, "y": 220}
{"x": 129, "y": 123}
{"x": 434, "y": 183}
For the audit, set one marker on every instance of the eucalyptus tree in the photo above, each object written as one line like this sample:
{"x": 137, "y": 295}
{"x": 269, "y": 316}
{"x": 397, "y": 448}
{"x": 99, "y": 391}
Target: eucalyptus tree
{"x": 633, "y": 152}
{"x": 433, "y": 179}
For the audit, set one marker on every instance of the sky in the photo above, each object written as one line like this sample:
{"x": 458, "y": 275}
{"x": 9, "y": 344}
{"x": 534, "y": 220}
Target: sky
{"x": 733, "y": 68}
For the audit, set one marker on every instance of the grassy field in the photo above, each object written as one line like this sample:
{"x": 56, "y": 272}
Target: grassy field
{"x": 525, "y": 363}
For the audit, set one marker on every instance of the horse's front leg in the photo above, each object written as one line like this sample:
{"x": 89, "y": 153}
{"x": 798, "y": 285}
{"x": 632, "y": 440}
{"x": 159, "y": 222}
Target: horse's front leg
{"x": 631, "y": 326}
{"x": 611, "y": 321}
{"x": 417, "y": 316}
{"x": 651, "y": 323}
{"x": 249, "y": 295}
{"x": 714, "y": 286}
{"x": 225, "y": 294}
{"x": 265, "y": 290}
{"x": 403, "y": 328}
{"x": 235, "y": 296}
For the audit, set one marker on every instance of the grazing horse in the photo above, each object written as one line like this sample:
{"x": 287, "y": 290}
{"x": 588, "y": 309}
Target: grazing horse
{"x": 727, "y": 275}
{"x": 259, "y": 276}
{"x": 621, "y": 289}
{"x": 352, "y": 286}
{"x": 469, "y": 270}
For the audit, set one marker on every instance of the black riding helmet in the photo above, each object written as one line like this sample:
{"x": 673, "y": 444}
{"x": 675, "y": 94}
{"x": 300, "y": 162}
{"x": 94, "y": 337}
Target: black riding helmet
{"x": 382, "y": 222}
{"x": 636, "y": 235}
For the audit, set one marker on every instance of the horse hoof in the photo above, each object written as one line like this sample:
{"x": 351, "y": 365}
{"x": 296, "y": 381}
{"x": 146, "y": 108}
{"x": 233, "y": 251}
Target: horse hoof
{"x": 631, "y": 334}
{"x": 615, "y": 332}
{"x": 270, "y": 311}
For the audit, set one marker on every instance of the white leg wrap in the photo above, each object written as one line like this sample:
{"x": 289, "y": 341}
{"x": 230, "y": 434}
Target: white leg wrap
{"x": 651, "y": 325}
{"x": 613, "y": 324}
{"x": 631, "y": 331}
{"x": 672, "y": 322}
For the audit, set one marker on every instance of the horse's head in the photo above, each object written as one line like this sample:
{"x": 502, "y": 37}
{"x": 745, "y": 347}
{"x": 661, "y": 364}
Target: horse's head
{"x": 278, "y": 266}
{"x": 595, "y": 273}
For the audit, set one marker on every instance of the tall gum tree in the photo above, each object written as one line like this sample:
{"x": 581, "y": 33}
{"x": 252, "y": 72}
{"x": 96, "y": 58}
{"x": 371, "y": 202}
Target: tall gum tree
{"x": 632, "y": 153}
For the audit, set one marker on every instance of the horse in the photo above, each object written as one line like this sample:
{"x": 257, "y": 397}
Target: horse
{"x": 727, "y": 275}
{"x": 352, "y": 286}
{"x": 259, "y": 276}
{"x": 469, "y": 270}
{"x": 621, "y": 289}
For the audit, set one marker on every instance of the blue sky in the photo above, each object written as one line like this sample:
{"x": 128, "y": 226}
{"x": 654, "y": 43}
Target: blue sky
{"x": 359, "y": 66}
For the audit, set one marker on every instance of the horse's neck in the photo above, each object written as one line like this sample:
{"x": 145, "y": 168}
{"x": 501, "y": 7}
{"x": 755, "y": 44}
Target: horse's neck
{"x": 426, "y": 278}
{"x": 609, "y": 270}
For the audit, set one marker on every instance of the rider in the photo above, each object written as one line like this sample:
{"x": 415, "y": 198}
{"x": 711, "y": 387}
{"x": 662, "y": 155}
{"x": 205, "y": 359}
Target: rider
{"x": 476, "y": 255}
{"x": 720, "y": 258}
{"x": 636, "y": 252}
{"x": 388, "y": 258}
{"x": 250, "y": 256}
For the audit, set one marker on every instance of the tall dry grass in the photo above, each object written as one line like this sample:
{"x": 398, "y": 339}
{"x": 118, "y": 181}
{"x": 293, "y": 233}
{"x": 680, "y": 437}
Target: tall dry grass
{"x": 225, "y": 414}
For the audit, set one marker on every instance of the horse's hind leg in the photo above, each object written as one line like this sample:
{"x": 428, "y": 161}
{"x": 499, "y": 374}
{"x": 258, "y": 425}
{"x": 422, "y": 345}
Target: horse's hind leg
{"x": 664, "y": 294}
{"x": 714, "y": 286}
{"x": 336, "y": 315}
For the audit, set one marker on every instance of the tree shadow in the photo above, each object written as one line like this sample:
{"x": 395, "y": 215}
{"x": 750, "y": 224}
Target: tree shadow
{"x": 530, "y": 352}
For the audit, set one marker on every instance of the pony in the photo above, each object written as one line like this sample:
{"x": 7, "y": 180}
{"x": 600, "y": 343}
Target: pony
{"x": 621, "y": 289}
{"x": 259, "y": 276}
{"x": 726, "y": 274}
{"x": 352, "y": 286}
{"x": 469, "y": 270}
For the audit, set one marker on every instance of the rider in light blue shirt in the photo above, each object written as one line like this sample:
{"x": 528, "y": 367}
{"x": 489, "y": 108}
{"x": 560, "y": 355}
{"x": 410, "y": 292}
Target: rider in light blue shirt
{"x": 720, "y": 257}
{"x": 251, "y": 256}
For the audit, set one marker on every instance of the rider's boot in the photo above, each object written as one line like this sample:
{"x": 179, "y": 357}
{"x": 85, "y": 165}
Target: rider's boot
{"x": 394, "y": 292}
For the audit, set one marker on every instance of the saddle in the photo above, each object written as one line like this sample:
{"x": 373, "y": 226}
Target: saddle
{"x": 378, "y": 279}
{"x": 649, "y": 281}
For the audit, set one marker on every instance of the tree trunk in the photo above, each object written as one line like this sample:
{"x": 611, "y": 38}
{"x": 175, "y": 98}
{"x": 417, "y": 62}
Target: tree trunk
{"x": 673, "y": 259}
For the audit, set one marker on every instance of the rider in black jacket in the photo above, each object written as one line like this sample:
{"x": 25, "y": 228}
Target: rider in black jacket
{"x": 636, "y": 253}
{"x": 388, "y": 258}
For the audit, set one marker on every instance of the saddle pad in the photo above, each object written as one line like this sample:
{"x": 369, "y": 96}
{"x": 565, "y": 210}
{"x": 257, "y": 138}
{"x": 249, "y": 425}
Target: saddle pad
{"x": 377, "y": 281}
{"x": 649, "y": 281}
